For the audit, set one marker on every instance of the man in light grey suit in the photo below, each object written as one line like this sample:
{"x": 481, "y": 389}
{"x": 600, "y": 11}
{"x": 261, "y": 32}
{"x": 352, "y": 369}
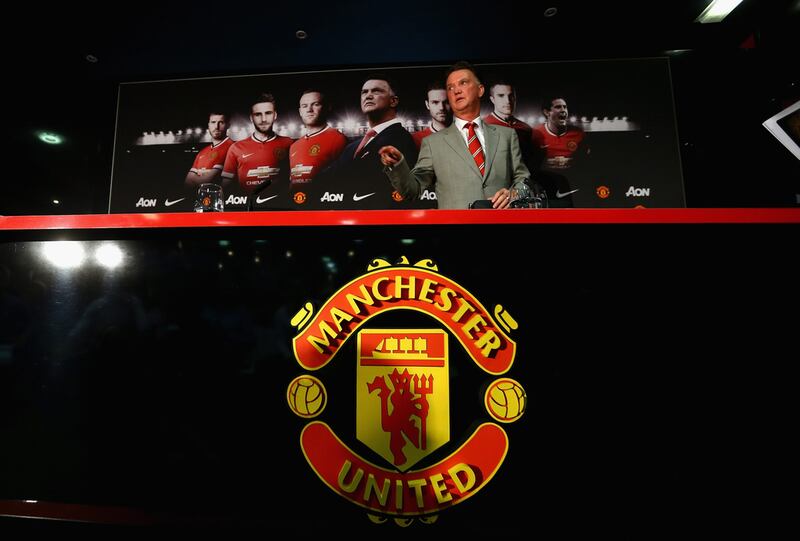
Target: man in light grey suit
{"x": 459, "y": 169}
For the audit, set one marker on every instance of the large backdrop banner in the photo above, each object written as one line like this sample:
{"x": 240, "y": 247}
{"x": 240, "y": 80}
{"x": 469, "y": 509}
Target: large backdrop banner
{"x": 596, "y": 134}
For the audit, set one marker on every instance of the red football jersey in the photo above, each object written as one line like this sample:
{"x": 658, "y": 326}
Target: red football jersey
{"x": 418, "y": 136}
{"x": 212, "y": 156}
{"x": 253, "y": 161}
{"x": 523, "y": 129}
{"x": 311, "y": 153}
{"x": 523, "y": 133}
{"x": 559, "y": 149}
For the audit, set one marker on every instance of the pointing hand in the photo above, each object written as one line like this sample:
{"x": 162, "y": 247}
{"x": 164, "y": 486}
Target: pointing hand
{"x": 390, "y": 156}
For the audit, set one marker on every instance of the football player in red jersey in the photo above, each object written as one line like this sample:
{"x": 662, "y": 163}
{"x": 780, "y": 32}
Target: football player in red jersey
{"x": 556, "y": 139}
{"x": 262, "y": 158}
{"x": 504, "y": 99}
{"x": 320, "y": 145}
{"x": 439, "y": 109}
{"x": 556, "y": 144}
{"x": 503, "y": 96}
{"x": 209, "y": 161}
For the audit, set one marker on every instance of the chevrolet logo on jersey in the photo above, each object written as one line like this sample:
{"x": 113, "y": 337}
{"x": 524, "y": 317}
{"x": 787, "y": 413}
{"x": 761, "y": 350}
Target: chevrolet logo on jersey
{"x": 263, "y": 171}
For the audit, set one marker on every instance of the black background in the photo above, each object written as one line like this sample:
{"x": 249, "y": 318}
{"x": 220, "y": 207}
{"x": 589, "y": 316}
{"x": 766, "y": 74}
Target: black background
{"x": 655, "y": 373}
{"x": 666, "y": 405}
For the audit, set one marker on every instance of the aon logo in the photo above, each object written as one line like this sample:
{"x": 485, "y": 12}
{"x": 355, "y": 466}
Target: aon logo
{"x": 332, "y": 197}
{"x": 236, "y": 200}
{"x": 637, "y": 192}
{"x": 142, "y": 202}
{"x": 428, "y": 195}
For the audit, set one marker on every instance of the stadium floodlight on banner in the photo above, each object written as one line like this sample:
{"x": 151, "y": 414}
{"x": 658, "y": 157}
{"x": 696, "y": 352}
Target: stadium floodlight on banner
{"x": 717, "y": 10}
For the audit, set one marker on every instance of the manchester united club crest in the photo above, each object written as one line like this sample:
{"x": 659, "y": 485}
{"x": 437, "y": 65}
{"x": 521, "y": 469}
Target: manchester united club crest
{"x": 402, "y": 386}
{"x": 402, "y": 392}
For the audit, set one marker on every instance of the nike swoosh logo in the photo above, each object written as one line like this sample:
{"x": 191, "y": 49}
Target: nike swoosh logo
{"x": 560, "y": 195}
{"x": 264, "y": 200}
{"x": 168, "y": 203}
{"x": 357, "y": 197}
{"x": 246, "y": 155}
{"x": 292, "y": 155}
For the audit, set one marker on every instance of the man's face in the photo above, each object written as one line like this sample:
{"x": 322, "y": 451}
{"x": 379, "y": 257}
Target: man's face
{"x": 557, "y": 114}
{"x": 504, "y": 99}
{"x": 263, "y": 116}
{"x": 438, "y": 106}
{"x": 464, "y": 92}
{"x": 217, "y": 126}
{"x": 377, "y": 96}
{"x": 311, "y": 109}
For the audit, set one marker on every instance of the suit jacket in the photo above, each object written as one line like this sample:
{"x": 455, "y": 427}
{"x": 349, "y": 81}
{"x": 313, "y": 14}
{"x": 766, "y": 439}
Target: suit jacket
{"x": 358, "y": 176}
{"x": 446, "y": 164}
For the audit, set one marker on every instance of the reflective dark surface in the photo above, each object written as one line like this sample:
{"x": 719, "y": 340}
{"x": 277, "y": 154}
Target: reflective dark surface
{"x": 160, "y": 384}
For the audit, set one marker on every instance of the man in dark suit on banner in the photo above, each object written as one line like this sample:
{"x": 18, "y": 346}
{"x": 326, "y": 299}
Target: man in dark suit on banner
{"x": 358, "y": 172}
{"x": 468, "y": 161}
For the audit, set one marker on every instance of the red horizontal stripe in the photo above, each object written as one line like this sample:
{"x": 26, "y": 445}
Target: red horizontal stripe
{"x": 398, "y": 217}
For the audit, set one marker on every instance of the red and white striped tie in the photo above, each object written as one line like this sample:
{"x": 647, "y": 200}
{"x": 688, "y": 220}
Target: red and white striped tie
{"x": 475, "y": 147}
